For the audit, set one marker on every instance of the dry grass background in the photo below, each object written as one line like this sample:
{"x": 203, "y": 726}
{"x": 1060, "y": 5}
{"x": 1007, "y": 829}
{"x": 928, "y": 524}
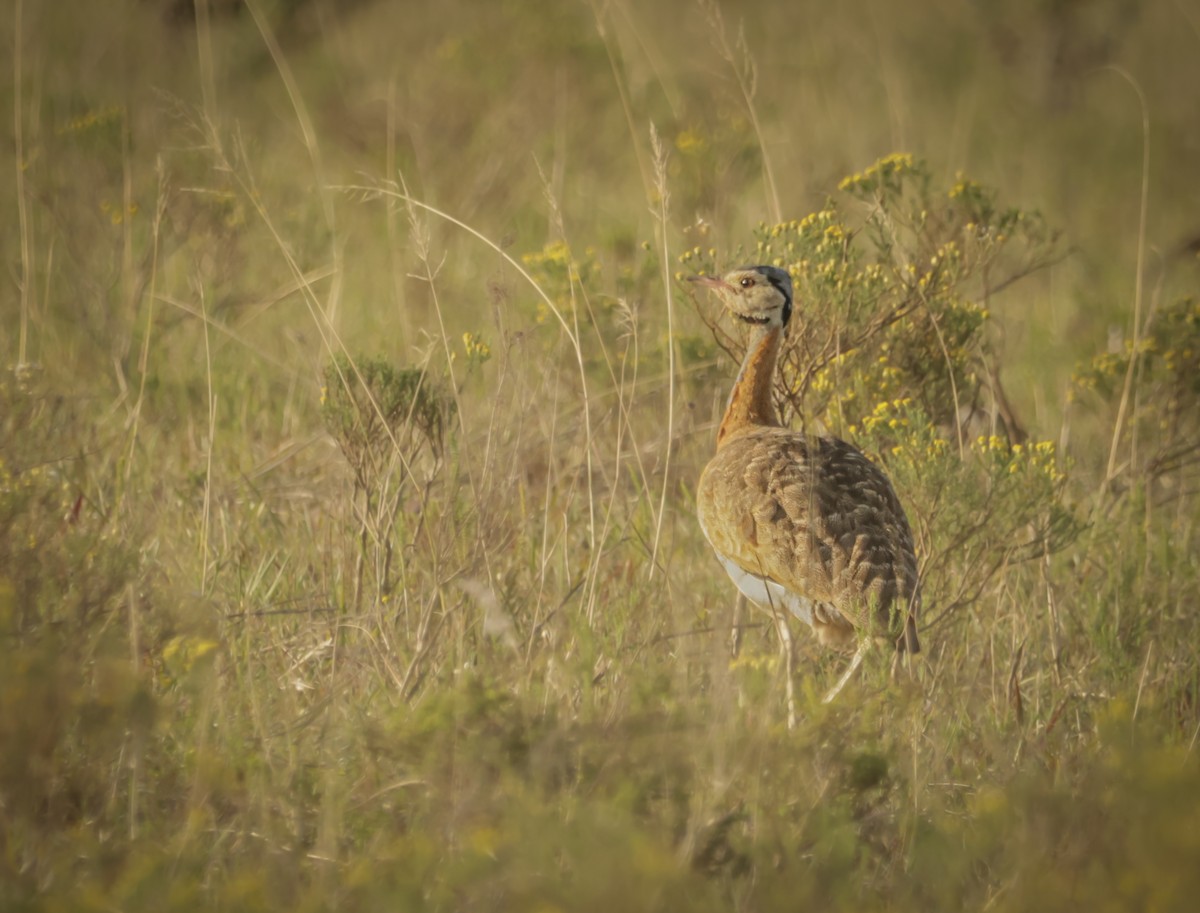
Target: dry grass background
{"x": 472, "y": 654}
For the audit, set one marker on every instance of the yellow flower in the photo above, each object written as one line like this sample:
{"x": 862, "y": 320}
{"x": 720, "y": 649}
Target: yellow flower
{"x": 476, "y": 348}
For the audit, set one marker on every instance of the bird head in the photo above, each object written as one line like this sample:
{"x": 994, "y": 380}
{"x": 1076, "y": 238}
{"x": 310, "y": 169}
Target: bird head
{"x": 760, "y": 295}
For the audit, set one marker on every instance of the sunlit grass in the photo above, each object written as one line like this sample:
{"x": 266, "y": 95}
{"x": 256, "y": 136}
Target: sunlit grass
{"x": 348, "y": 556}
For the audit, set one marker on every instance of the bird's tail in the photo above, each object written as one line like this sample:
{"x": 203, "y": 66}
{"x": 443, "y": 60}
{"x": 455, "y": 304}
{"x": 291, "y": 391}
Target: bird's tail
{"x": 908, "y": 641}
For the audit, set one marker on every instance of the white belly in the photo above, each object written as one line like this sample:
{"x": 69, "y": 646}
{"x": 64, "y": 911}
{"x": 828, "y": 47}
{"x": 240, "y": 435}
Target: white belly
{"x": 768, "y": 593}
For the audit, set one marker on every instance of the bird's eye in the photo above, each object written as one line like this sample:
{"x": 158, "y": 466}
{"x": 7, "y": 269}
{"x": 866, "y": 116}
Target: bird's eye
{"x": 746, "y": 282}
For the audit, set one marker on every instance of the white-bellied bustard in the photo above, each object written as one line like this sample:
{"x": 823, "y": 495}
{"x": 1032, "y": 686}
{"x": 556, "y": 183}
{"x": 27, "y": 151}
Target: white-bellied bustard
{"x": 802, "y": 522}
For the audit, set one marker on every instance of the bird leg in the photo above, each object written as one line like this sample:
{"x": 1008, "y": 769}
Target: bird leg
{"x": 789, "y": 661}
{"x": 735, "y": 631}
{"x": 900, "y": 657}
{"x": 863, "y": 646}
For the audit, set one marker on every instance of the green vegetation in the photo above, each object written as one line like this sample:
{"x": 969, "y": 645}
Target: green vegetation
{"x": 351, "y": 406}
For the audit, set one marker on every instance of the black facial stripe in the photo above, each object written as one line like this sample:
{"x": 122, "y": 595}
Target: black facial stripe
{"x": 782, "y": 282}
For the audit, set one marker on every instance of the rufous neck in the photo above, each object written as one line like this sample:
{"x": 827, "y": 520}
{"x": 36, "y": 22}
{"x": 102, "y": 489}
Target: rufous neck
{"x": 750, "y": 402}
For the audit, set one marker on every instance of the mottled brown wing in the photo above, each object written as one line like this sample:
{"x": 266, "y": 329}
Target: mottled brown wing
{"x": 814, "y": 514}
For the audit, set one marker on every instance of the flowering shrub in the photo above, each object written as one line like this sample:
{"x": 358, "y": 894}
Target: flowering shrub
{"x": 1159, "y": 375}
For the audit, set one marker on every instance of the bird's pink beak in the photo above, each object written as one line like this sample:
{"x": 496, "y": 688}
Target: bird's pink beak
{"x": 711, "y": 282}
